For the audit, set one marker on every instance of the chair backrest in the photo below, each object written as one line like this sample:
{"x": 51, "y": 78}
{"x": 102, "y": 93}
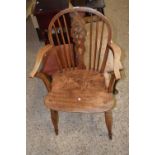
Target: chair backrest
{"x": 86, "y": 33}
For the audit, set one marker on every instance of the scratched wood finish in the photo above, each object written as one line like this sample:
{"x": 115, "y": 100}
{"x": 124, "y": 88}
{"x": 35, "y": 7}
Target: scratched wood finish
{"x": 71, "y": 92}
{"x": 72, "y": 86}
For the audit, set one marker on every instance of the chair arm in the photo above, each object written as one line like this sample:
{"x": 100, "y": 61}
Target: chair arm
{"x": 42, "y": 52}
{"x": 117, "y": 62}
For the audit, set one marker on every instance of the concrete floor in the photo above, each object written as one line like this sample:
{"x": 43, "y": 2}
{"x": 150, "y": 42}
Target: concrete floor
{"x": 80, "y": 134}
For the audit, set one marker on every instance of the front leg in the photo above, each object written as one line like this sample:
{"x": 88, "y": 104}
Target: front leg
{"x": 55, "y": 120}
{"x": 108, "y": 121}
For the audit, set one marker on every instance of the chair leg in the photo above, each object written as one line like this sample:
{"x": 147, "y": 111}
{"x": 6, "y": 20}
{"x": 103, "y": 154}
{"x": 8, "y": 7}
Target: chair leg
{"x": 55, "y": 120}
{"x": 108, "y": 121}
{"x": 115, "y": 91}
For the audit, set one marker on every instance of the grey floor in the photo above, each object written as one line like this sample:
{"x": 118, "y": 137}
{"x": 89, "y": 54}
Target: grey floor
{"x": 80, "y": 134}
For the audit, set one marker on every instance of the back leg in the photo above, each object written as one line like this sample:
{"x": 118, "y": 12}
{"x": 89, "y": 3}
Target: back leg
{"x": 108, "y": 121}
{"x": 55, "y": 120}
{"x": 115, "y": 91}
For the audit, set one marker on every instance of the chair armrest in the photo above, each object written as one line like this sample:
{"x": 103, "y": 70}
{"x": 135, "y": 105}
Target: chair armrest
{"x": 117, "y": 62}
{"x": 42, "y": 52}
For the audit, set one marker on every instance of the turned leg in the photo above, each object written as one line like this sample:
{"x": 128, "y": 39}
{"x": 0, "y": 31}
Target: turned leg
{"x": 108, "y": 121}
{"x": 55, "y": 119}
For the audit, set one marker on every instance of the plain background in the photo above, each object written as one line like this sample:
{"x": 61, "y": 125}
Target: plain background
{"x": 13, "y": 77}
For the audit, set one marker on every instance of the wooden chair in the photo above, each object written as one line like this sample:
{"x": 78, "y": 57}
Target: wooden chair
{"x": 80, "y": 66}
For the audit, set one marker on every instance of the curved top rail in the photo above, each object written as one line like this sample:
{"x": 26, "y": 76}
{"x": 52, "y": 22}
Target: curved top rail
{"x": 81, "y": 9}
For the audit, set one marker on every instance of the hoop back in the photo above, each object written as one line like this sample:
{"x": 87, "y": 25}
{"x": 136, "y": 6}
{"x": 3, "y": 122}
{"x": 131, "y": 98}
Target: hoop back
{"x": 88, "y": 31}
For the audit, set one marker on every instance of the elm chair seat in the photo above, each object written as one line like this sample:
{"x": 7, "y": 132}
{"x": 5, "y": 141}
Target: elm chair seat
{"x": 79, "y": 91}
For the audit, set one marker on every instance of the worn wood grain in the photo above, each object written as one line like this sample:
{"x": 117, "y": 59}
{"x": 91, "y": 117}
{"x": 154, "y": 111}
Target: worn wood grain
{"x": 79, "y": 91}
{"x": 75, "y": 88}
